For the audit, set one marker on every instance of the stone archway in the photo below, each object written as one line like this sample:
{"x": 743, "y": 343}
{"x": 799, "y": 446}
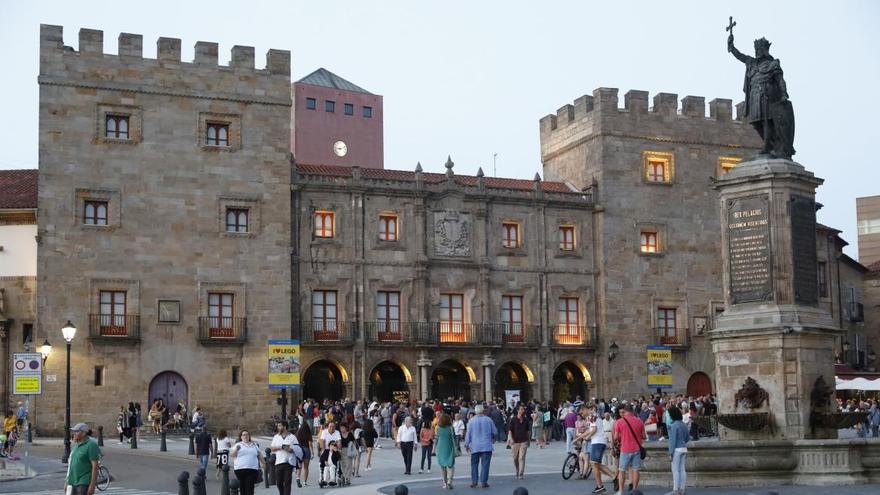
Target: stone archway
{"x": 324, "y": 379}
{"x": 570, "y": 380}
{"x": 387, "y": 380}
{"x": 513, "y": 376}
{"x": 171, "y": 387}
{"x": 699, "y": 384}
{"x": 451, "y": 379}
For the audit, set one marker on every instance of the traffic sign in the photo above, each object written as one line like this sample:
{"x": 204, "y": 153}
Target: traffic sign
{"x": 27, "y": 373}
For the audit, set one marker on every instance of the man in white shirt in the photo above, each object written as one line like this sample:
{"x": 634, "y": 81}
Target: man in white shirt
{"x": 406, "y": 440}
{"x": 281, "y": 447}
{"x": 329, "y": 433}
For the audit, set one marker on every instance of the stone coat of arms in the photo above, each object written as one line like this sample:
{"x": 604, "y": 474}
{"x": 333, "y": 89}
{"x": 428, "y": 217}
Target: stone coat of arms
{"x": 452, "y": 233}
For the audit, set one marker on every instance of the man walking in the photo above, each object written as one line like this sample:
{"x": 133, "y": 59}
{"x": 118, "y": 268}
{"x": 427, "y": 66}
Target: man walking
{"x": 631, "y": 432}
{"x": 518, "y": 439}
{"x": 281, "y": 447}
{"x": 204, "y": 447}
{"x": 406, "y": 439}
{"x": 481, "y": 433}
{"x": 568, "y": 421}
{"x": 82, "y": 467}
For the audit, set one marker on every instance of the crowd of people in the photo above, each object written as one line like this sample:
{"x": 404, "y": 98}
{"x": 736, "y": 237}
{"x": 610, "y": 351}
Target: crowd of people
{"x": 870, "y": 427}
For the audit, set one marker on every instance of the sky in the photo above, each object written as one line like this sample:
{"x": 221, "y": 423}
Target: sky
{"x": 470, "y": 79}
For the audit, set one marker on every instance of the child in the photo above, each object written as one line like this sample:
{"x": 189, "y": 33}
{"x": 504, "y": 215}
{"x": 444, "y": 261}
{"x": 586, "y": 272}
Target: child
{"x": 330, "y": 459}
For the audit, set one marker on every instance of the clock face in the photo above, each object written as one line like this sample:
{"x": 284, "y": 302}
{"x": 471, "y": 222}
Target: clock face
{"x": 340, "y": 148}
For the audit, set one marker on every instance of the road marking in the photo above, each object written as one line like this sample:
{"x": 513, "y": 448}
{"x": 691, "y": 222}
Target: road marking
{"x": 113, "y": 490}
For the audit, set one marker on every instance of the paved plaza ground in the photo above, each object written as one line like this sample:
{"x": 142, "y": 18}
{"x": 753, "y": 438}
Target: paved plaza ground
{"x": 146, "y": 471}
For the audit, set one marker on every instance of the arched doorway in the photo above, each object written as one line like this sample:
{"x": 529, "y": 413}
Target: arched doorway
{"x": 171, "y": 388}
{"x": 450, "y": 379}
{"x": 569, "y": 382}
{"x": 323, "y": 380}
{"x": 512, "y": 376}
{"x": 386, "y": 379}
{"x": 699, "y": 384}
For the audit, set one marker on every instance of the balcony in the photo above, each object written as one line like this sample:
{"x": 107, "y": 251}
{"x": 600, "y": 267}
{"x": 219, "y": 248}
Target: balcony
{"x": 222, "y": 330}
{"x": 115, "y": 328}
{"x": 573, "y": 336}
{"x": 389, "y": 332}
{"x": 677, "y": 338}
{"x": 515, "y": 335}
{"x": 856, "y": 312}
{"x": 328, "y": 332}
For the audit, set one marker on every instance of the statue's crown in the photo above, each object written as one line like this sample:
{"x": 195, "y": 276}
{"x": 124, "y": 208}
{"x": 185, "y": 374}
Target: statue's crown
{"x": 762, "y": 43}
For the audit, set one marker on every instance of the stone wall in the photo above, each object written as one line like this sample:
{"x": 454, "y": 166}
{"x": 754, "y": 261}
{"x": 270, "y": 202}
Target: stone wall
{"x": 167, "y": 190}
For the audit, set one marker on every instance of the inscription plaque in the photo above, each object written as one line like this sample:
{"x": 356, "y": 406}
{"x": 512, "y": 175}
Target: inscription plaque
{"x": 803, "y": 249}
{"x": 748, "y": 241}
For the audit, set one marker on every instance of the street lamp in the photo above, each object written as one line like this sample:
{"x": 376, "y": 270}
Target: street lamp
{"x": 612, "y": 351}
{"x": 46, "y": 349}
{"x": 69, "y": 331}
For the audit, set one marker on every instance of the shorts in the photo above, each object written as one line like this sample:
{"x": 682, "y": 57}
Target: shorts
{"x": 630, "y": 460}
{"x": 307, "y": 453}
{"x": 597, "y": 450}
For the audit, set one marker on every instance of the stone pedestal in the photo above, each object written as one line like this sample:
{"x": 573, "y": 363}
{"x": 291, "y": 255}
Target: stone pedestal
{"x": 773, "y": 329}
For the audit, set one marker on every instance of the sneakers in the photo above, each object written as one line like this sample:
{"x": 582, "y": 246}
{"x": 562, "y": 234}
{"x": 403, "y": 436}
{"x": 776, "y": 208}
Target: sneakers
{"x": 599, "y": 489}
{"x": 428, "y": 471}
{"x": 616, "y": 485}
{"x": 299, "y": 483}
{"x": 421, "y": 472}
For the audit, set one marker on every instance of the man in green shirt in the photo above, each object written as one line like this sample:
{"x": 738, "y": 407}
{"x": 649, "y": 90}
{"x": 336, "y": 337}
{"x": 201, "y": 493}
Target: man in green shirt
{"x": 82, "y": 467}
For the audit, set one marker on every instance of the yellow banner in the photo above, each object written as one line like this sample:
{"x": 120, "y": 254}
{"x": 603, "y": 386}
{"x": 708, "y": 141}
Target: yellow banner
{"x": 26, "y": 385}
{"x": 283, "y": 363}
{"x": 659, "y": 367}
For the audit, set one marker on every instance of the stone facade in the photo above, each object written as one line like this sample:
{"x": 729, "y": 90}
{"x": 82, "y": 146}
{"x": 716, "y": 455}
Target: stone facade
{"x": 143, "y": 214}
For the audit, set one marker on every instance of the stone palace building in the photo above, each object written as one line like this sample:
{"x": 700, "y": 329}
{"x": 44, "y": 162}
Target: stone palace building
{"x": 179, "y": 231}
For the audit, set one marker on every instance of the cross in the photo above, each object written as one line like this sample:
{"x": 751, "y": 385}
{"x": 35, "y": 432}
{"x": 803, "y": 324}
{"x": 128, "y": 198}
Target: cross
{"x": 730, "y": 26}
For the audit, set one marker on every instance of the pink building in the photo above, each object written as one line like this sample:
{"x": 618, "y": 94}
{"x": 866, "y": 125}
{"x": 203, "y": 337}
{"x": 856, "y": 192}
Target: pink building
{"x": 336, "y": 122}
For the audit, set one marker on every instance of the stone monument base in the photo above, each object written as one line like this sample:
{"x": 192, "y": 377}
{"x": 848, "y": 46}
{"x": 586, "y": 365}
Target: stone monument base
{"x": 714, "y": 463}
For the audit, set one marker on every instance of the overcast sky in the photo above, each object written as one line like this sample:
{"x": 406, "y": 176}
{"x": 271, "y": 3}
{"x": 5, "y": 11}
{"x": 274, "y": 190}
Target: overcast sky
{"x": 470, "y": 79}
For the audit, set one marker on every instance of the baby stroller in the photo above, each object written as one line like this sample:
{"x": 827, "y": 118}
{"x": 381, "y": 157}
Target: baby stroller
{"x": 330, "y": 467}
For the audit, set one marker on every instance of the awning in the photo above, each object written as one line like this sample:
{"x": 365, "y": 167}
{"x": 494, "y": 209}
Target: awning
{"x": 857, "y": 383}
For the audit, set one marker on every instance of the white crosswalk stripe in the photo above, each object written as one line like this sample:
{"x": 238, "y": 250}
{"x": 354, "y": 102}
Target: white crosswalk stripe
{"x": 113, "y": 490}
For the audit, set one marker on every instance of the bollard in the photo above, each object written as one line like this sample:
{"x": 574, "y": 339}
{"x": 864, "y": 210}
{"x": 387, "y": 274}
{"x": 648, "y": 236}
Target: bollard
{"x": 192, "y": 447}
{"x": 520, "y": 490}
{"x": 234, "y": 485}
{"x": 30, "y": 435}
{"x": 401, "y": 490}
{"x": 201, "y": 472}
{"x": 269, "y": 469}
{"x": 163, "y": 447}
{"x": 182, "y": 483}
{"x": 100, "y": 435}
{"x": 224, "y": 482}
{"x": 198, "y": 485}
{"x": 134, "y": 438}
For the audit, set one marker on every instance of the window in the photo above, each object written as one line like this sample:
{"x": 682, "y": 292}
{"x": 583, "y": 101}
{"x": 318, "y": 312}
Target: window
{"x": 112, "y": 312}
{"x": 648, "y": 242}
{"x": 658, "y": 167}
{"x": 325, "y": 223}
{"x": 510, "y": 231}
{"x": 388, "y": 311}
{"x": 311, "y": 103}
{"x": 511, "y": 318}
{"x": 451, "y": 317}
{"x": 329, "y": 106}
{"x": 218, "y": 134}
{"x": 237, "y": 220}
{"x": 220, "y": 312}
{"x": 388, "y": 227}
{"x": 368, "y": 112}
{"x": 324, "y": 310}
{"x": 99, "y": 376}
{"x": 95, "y": 212}
{"x": 566, "y": 237}
{"x": 349, "y": 109}
{"x": 236, "y": 375}
{"x": 27, "y": 333}
{"x": 116, "y": 126}
{"x": 821, "y": 272}
{"x": 569, "y": 321}
{"x": 666, "y": 325}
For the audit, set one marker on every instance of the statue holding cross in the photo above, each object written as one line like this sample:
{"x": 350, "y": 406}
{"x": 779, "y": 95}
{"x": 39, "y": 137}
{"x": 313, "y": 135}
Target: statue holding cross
{"x": 768, "y": 109}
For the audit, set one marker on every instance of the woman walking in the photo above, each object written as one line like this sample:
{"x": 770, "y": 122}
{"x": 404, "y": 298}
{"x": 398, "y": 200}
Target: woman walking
{"x": 426, "y": 441}
{"x": 304, "y": 437}
{"x": 446, "y": 449}
{"x": 678, "y": 438}
{"x": 247, "y": 460}
{"x": 370, "y": 436}
{"x": 122, "y": 423}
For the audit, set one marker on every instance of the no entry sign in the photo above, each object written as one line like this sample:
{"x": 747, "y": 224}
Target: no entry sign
{"x": 27, "y": 373}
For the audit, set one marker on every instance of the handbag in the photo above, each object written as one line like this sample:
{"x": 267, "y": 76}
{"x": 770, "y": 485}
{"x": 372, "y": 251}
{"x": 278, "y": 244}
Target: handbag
{"x": 642, "y": 452}
{"x": 651, "y": 428}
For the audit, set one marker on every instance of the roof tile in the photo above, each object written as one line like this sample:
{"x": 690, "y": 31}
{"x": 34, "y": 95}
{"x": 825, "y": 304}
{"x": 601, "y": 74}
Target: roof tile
{"x": 18, "y": 189}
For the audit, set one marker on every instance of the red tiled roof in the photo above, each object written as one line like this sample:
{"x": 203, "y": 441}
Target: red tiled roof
{"x": 18, "y": 189}
{"x": 431, "y": 177}
{"x": 874, "y": 267}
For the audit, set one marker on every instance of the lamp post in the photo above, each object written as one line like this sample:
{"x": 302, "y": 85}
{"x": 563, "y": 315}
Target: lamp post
{"x": 69, "y": 331}
{"x": 45, "y": 350}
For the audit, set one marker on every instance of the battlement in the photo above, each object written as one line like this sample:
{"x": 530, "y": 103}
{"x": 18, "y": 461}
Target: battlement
{"x": 60, "y": 63}
{"x": 604, "y": 102}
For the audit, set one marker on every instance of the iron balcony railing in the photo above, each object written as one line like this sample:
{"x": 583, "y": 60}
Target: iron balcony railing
{"x": 566, "y": 335}
{"x": 516, "y": 334}
{"x": 672, "y": 337}
{"x": 328, "y": 331}
{"x": 114, "y": 327}
{"x": 222, "y": 330}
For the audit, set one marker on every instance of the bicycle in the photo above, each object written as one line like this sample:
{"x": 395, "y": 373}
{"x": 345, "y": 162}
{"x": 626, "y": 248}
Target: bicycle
{"x": 102, "y": 482}
{"x": 571, "y": 465}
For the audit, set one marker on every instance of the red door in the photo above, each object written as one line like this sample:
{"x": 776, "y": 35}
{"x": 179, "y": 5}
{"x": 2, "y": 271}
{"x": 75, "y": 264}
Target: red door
{"x": 699, "y": 384}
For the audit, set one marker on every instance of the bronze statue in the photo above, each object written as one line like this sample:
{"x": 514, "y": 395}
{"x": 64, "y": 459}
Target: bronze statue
{"x": 820, "y": 396}
{"x": 751, "y": 395}
{"x": 768, "y": 109}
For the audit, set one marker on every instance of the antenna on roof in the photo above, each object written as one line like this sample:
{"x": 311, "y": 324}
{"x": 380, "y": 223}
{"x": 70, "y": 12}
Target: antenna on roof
{"x": 494, "y": 168}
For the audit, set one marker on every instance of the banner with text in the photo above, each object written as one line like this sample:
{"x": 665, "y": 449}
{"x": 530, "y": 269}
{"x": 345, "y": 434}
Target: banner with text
{"x": 283, "y": 364}
{"x": 27, "y": 373}
{"x": 659, "y": 366}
